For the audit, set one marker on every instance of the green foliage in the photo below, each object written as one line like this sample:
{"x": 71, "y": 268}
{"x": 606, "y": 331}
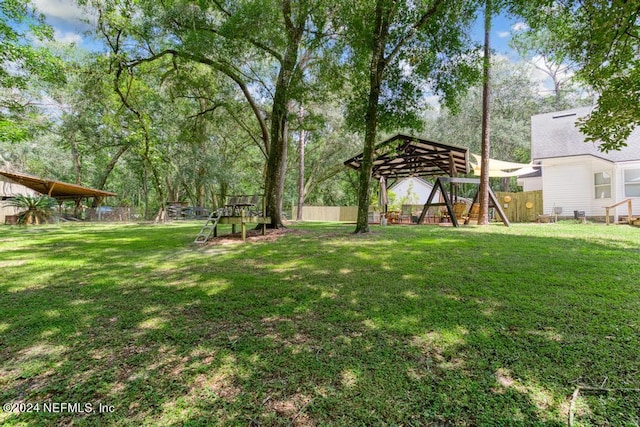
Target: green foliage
{"x": 602, "y": 40}
{"x": 269, "y": 65}
{"x": 437, "y": 57}
{"x": 611, "y": 123}
{"x": 37, "y": 209}
{"x": 396, "y": 51}
{"x": 515, "y": 97}
{"x": 22, "y": 63}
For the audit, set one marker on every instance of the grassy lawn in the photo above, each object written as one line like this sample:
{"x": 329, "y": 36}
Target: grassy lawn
{"x": 405, "y": 326}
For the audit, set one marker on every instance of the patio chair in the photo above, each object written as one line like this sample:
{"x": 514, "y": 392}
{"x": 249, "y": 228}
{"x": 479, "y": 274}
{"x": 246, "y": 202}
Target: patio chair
{"x": 405, "y": 214}
{"x": 459, "y": 208}
{"x": 473, "y": 214}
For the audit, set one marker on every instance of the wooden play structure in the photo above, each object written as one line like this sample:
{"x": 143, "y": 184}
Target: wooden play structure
{"x": 239, "y": 210}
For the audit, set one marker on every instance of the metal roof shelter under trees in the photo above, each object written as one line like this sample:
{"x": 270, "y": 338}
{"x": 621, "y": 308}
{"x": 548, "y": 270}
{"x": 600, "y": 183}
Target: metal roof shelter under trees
{"x": 404, "y": 155}
{"x": 57, "y": 189}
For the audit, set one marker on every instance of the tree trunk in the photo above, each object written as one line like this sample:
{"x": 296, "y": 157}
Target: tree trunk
{"x": 145, "y": 190}
{"x": 161, "y": 216}
{"x": 301, "y": 182}
{"x": 172, "y": 190}
{"x": 277, "y": 164}
{"x": 483, "y": 214}
{"x": 277, "y": 161}
{"x": 506, "y": 184}
{"x": 224, "y": 191}
{"x": 376, "y": 71}
{"x": 112, "y": 164}
{"x": 77, "y": 166}
{"x": 200, "y": 191}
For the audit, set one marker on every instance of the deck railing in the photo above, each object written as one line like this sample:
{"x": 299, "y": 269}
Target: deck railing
{"x": 615, "y": 205}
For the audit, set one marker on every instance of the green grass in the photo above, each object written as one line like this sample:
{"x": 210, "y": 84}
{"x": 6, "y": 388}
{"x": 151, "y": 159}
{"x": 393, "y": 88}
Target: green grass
{"x": 404, "y": 326}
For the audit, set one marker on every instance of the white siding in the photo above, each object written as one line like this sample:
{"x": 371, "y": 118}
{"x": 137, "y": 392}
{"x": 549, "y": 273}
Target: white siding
{"x": 618, "y": 189}
{"x": 531, "y": 184}
{"x": 6, "y": 210}
{"x": 567, "y": 184}
{"x": 419, "y": 188}
{"x": 10, "y": 188}
{"x": 598, "y": 205}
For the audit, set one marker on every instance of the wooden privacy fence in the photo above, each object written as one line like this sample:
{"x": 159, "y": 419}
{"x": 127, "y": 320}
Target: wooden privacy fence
{"x": 521, "y": 207}
{"x": 327, "y": 213}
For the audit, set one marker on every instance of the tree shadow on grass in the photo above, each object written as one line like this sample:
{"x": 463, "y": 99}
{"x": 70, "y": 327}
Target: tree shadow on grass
{"x": 368, "y": 330}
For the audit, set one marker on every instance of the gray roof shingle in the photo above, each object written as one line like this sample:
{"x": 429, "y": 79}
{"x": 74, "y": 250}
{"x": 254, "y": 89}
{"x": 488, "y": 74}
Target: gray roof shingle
{"x": 556, "y": 135}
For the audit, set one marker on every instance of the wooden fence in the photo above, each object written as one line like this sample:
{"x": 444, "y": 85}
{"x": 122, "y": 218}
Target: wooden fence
{"x": 327, "y": 213}
{"x": 521, "y": 207}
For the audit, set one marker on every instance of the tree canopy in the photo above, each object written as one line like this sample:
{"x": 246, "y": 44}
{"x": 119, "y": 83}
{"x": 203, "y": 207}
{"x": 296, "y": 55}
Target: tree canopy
{"x": 198, "y": 100}
{"x": 21, "y": 62}
{"x": 601, "y": 40}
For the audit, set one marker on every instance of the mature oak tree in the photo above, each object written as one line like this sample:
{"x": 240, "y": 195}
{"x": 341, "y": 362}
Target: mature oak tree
{"x": 232, "y": 38}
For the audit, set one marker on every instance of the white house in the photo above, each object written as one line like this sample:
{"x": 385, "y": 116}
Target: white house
{"x": 576, "y": 176}
{"x": 411, "y": 191}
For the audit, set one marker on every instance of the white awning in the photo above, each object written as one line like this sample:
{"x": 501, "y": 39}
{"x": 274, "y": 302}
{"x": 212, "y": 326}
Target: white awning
{"x": 500, "y": 168}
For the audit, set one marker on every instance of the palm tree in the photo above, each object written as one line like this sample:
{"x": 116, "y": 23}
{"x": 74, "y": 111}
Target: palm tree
{"x": 37, "y": 209}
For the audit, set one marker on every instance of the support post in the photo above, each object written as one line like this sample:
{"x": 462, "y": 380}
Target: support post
{"x": 243, "y": 226}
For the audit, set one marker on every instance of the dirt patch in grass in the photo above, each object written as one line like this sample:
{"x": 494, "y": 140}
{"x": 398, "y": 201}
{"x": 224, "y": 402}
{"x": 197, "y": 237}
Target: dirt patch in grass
{"x": 254, "y": 236}
{"x": 292, "y": 408}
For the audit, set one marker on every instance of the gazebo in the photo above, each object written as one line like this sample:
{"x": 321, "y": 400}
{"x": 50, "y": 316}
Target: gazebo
{"x": 405, "y": 156}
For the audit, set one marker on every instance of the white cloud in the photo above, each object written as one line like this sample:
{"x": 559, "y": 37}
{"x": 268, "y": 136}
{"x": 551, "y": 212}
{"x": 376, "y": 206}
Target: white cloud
{"x": 67, "y": 37}
{"x": 503, "y": 34}
{"x": 406, "y": 68}
{"x": 432, "y": 102}
{"x": 544, "y": 80}
{"x": 68, "y": 20}
{"x": 519, "y": 26}
{"x": 66, "y": 10}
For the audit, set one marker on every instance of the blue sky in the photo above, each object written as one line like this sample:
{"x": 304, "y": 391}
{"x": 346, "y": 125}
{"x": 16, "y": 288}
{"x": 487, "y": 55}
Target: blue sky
{"x": 502, "y": 29}
{"x": 66, "y": 19}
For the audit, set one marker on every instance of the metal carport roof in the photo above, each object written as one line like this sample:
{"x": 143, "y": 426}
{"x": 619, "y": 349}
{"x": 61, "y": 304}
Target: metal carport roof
{"x": 56, "y": 189}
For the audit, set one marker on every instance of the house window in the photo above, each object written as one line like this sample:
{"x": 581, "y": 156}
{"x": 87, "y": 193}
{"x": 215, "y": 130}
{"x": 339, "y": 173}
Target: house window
{"x": 632, "y": 183}
{"x": 602, "y": 186}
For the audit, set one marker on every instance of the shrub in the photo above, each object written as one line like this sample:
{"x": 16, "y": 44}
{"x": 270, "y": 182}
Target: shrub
{"x": 37, "y": 209}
